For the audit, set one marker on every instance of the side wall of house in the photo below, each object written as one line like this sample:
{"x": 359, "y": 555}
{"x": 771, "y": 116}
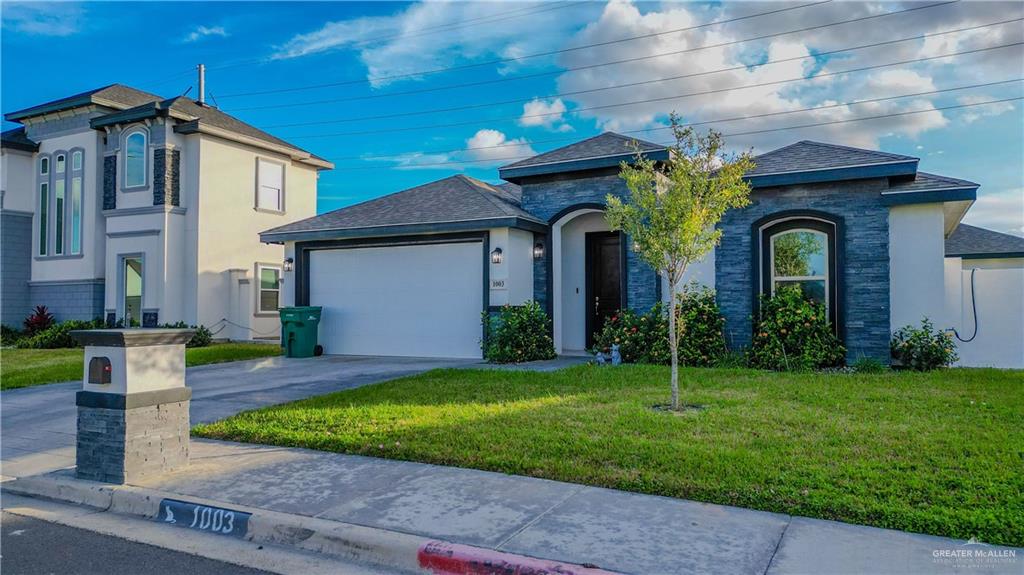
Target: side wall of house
{"x": 546, "y": 197}
{"x": 16, "y": 213}
{"x": 228, "y": 226}
{"x": 917, "y": 250}
{"x": 864, "y": 247}
{"x": 985, "y": 302}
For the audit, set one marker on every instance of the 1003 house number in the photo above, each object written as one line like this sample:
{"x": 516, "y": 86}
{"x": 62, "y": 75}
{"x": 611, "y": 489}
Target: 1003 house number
{"x": 204, "y": 518}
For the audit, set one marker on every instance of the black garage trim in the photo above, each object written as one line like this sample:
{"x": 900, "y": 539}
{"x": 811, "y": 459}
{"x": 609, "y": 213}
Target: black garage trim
{"x": 303, "y": 249}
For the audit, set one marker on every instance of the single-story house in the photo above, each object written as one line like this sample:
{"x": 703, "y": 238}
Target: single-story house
{"x": 410, "y": 273}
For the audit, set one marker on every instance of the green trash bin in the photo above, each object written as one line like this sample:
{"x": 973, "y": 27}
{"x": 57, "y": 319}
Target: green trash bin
{"x": 299, "y": 331}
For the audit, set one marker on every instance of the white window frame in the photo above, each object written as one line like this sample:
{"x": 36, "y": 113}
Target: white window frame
{"x": 777, "y": 278}
{"x": 145, "y": 158}
{"x": 280, "y": 209}
{"x": 260, "y": 289}
{"x": 44, "y": 161}
{"x": 76, "y": 160}
{"x": 60, "y": 163}
{"x": 76, "y": 206}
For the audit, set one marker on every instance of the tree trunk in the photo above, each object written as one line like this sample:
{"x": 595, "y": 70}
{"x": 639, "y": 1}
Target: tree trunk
{"x": 673, "y": 342}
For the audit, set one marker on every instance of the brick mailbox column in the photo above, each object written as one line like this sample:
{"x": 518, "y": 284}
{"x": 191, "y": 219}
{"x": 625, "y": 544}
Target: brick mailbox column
{"x": 133, "y": 407}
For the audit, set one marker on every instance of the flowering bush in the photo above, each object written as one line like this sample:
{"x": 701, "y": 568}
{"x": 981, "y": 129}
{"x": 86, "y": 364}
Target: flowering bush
{"x": 517, "y": 334}
{"x": 58, "y": 335}
{"x": 923, "y": 348}
{"x": 643, "y": 338}
{"x": 793, "y": 333}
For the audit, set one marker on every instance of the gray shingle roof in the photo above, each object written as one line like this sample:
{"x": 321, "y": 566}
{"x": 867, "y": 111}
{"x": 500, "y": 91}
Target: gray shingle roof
{"x": 924, "y": 181}
{"x": 112, "y": 96}
{"x": 189, "y": 110}
{"x": 972, "y": 241}
{"x": 807, "y": 155}
{"x": 606, "y": 144}
{"x": 17, "y": 140}
{"x": 453, "y": 199}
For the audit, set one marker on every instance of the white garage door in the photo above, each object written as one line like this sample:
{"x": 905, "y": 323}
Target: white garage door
{"x": 417, "y": 301}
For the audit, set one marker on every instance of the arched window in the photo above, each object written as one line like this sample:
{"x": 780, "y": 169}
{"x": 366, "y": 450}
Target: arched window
{"x": 60, "y": 163}
{"x": 801, "y": 250}
{"x": 44, "y": 166}
{"x": 135, "y": 159}
{"x": 799, "y": 258}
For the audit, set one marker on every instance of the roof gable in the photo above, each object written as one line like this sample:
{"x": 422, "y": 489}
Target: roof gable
{"x": 117, "y": 96}
{"x": 810, "y": 162}
{"x": 604, "y": 150}
{"x": 447, "y": 204}
{"x": 972, "y": 242}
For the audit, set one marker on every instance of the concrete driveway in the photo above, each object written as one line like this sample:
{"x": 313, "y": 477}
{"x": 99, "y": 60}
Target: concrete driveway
{"x": 37, "y": 424}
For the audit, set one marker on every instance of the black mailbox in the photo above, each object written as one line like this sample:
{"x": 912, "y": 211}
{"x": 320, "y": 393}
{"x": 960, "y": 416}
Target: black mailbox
{"x": 99, "y": 370}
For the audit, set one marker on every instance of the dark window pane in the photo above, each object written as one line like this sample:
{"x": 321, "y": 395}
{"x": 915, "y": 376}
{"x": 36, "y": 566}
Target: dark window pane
{"x": 813, "y": 290}
{"x": 268, "y": 300}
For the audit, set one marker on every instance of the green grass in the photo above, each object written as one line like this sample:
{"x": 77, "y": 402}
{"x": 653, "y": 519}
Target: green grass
{"x": 939, "y": 453}
{"x": 27, "y": 367}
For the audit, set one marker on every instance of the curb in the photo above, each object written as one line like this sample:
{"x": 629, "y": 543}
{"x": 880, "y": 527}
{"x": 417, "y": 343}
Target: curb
{"x": 389, "y": 549}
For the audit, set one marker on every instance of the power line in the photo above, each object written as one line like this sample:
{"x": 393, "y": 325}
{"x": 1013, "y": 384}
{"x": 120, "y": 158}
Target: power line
{"x": 747, "y": 133}
{"x": 538, "y": 54}
{"x": 512, "y": 78}
{"x": 816, "y": 55}
{"x": 701, "y": 123}
{"x": 427, "y": 30}
{"x": 659, "y": 99}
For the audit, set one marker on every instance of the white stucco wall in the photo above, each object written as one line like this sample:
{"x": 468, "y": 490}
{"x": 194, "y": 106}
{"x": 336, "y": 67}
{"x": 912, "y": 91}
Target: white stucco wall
{"x": 228, "y": 226}
{"x": 916, "y": 265}
{"x": 998, "y": 298}
{"x": 17, "y": 180}
{"x": 512, "y": 279}
{"x": 573, "y": 279}
{"x": 90, "y": 265}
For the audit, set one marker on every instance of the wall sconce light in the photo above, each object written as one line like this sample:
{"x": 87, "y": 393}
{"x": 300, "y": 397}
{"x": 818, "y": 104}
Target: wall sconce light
{"x": 288, "y": 262}
{"x": 538, "y": 250}
{"x": 496, "y": 256}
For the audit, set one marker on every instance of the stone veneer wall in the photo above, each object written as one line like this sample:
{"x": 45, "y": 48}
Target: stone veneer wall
{"x": 166, "y": 171}
{"x": 865, "y": 297}
{"x": 546, "y": 197}
{"x": 69, "y": 299}
{"x": 119, "y": 445}
{"x": 15, "y": 266}
{"x": 110, "y": 182}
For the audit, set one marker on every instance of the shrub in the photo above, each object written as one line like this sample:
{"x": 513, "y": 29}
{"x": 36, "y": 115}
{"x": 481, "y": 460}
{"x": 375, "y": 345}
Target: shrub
{"x": 40, "y": 320}
{"x": 517, "y": 334}
{"x": 923, "y": 348}
{"x": 58, "y": 335}
{"x": 643, "y": 337}
{"x": 202, "y": 338}
{"x": 701, "y": 326}
{"x": 793, "y": 333}
{"x": 9, "y": 335}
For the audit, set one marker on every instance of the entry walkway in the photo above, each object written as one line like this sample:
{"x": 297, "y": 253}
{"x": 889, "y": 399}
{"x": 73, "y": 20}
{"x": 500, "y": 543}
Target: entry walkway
{"x": 615, "y": 530}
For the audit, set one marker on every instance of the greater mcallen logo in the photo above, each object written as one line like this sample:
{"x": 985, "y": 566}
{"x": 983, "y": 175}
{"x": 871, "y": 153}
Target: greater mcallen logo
{"x": 975, "y": 552}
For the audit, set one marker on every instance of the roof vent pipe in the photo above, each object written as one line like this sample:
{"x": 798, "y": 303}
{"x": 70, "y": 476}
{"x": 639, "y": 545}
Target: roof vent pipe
{"x": 202, "y": 84}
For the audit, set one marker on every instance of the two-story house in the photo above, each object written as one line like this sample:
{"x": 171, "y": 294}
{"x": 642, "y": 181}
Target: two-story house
{"x": 118, "y": 203}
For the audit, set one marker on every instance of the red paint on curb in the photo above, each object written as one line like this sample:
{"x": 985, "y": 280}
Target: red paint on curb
{"x": 443, "y": 558}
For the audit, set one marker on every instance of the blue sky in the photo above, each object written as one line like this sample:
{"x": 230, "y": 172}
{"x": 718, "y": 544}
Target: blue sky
{"x": 373, "y": 52}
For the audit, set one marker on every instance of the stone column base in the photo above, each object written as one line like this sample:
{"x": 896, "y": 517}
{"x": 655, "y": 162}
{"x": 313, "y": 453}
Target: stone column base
{"x": 122, "y": 438}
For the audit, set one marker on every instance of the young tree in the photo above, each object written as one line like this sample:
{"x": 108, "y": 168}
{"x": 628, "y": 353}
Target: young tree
{"x": 673, "y": 207}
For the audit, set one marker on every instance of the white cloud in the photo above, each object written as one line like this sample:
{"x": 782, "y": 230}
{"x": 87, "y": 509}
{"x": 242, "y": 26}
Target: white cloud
{"x": 1001, "y": 211}
{"x": 481, "y": 147}
{"x": 43, "y": 18}
{"x": 430, "y": 35}
{"x": 976, "y": 113}
{"x": 201, "y": 32}
{"x": 486, "y": 148}
{"x": 549, "y": 114}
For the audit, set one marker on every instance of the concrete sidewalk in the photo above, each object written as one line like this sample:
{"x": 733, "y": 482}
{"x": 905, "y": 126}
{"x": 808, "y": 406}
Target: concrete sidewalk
{"x": 614, "y": 530}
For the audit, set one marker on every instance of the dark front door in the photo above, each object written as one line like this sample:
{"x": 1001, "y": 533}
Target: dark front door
{"x": 604, "y": 280}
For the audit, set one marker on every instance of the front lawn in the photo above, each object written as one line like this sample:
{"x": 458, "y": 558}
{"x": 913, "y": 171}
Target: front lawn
{"x": 939, "y": 453}
{"x": 25, "y": 367}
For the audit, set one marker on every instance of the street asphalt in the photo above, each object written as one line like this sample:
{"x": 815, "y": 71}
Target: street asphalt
{"x": 34, "y": 547}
